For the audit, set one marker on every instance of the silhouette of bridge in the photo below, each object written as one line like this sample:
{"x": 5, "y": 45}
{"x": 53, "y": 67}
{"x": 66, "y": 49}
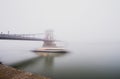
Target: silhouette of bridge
{"x": 28, "y": 37}
{"x": 49, "y": 44}
{"x": 19, "y": 37}
{"x": 48, "y": 39}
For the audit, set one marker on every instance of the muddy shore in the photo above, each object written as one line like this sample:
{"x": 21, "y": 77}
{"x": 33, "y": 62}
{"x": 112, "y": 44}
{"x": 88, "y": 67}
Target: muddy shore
{"x": 7, "y": 72}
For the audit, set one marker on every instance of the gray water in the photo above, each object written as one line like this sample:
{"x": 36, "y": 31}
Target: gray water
{"x": 84, "y": 60}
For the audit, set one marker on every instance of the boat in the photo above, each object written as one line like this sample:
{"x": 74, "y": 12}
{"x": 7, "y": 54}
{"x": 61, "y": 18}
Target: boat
{"x": 51, "y": 50}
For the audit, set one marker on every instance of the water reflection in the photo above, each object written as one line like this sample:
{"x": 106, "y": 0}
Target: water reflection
{"x": 43, "y": 54}
{"x": 43, "y": 65}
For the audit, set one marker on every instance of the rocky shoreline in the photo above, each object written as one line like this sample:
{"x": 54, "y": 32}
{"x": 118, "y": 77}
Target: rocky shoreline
{"x": 7, "y": 72}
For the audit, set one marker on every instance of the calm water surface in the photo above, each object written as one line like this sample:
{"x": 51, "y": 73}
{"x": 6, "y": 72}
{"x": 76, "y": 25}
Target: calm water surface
{"x": 84, "y": 60}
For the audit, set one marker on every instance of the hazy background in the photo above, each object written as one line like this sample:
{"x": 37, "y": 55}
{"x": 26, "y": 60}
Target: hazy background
{"x": 91, "y": 28}
{"x": 72, "y": 20}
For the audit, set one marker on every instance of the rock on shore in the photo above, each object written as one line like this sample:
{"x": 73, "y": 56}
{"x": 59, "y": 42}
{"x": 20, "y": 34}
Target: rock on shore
{"x": 7, "y": 72}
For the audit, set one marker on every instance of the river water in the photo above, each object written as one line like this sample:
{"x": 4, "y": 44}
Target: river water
{"x": 84, "y": 60}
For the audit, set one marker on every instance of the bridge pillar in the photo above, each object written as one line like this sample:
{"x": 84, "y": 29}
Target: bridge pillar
{"x": 49, "y": 39}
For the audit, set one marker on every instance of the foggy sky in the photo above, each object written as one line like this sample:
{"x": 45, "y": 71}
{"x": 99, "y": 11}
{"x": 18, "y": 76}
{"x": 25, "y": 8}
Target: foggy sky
{"x": 72, "y": 20}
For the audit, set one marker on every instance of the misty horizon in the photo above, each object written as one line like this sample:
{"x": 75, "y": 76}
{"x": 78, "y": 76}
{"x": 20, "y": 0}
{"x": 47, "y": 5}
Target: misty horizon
{"x": 72, "y": 20}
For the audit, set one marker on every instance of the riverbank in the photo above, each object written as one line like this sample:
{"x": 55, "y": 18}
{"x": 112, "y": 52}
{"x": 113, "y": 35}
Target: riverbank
{"x": 7, "y": 72}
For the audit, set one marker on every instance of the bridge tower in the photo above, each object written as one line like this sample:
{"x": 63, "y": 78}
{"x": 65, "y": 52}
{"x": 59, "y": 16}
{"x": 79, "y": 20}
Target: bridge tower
{"x": 49, "y": 39}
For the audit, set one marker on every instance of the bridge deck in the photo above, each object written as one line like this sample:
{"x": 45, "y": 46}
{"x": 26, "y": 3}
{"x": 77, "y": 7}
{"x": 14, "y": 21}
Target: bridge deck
{"x": 19, "y": 37}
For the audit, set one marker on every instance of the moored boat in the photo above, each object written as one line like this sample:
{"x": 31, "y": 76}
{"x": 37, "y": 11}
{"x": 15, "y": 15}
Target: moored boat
{"x": 51, "y": 50}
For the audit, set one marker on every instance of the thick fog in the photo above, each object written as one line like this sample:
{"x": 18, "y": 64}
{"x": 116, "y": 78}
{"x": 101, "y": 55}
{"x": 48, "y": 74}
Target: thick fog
{"x": 72, "y": 20}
